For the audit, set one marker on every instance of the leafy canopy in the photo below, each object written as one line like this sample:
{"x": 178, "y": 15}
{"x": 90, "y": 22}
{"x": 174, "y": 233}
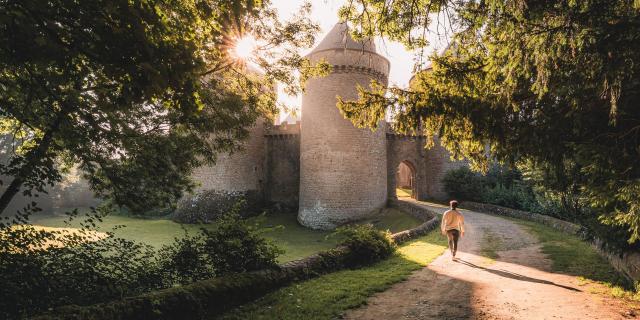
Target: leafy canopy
{"x": 136, "y": 93}
{"x": 552, "y": 84}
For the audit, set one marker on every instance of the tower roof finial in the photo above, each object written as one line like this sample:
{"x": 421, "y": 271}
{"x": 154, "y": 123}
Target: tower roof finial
{"x": 340, "y": 38}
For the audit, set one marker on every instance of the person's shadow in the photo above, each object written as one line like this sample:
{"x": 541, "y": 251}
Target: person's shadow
{"x": 513, "y": 275}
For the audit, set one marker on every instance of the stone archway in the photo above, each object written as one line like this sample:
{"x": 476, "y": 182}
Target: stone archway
{"x": 406, "y": 180}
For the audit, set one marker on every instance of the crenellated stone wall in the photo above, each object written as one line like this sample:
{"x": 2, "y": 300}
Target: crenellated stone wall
{"x": 239, "y": 171}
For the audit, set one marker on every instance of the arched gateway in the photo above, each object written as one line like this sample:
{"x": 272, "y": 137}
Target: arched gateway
{"x": 332, "y": 171}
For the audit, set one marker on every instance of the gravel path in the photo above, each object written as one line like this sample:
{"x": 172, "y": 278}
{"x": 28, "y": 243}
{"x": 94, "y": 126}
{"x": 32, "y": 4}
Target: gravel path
{"x": 518, "y": 285}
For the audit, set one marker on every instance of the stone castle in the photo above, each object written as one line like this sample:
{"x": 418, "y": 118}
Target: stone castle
{"x": 333, "y": 172}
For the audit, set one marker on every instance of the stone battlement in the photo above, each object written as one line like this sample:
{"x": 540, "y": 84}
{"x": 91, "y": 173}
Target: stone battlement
{"x": 285, "y": 129}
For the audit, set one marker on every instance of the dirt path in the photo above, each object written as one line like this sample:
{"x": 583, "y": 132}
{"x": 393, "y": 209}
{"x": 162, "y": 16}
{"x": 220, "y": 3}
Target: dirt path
{"x": 518, "y": 285}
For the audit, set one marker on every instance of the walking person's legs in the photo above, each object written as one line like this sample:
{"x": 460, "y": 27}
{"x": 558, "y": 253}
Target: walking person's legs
{"x": 453, "y": 236}
{"x": 456, "y": 236}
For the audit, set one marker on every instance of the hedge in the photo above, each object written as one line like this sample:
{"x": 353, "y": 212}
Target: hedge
{"x": 208, "y": 298}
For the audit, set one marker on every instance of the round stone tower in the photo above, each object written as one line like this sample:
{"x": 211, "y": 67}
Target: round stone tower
{"x": 342, "y": 168}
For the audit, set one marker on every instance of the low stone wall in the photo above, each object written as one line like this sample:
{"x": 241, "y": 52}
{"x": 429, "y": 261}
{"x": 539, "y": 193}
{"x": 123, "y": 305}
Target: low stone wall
{"x": 429, "y": 217}
{"x": 627, "y": 263}
{"x": 208, "y": 205}
{"x": 555, "y": 223}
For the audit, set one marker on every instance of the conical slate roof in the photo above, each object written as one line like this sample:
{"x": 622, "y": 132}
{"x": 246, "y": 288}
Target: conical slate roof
{"x": 339, "y": 38}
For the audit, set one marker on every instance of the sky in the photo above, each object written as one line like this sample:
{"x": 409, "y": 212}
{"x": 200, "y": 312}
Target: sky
{"x": 325, "y": 12}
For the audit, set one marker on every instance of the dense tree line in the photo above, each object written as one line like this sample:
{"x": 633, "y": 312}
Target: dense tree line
{"x": 136, "y": 93}
{"x": 552, "y": 86}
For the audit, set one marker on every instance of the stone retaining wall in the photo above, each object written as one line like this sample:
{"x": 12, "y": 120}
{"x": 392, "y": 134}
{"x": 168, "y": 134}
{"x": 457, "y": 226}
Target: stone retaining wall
{"x": 627, "y": 263}
{"x": 429, "y": 217}
{"x": 555, "y": 223}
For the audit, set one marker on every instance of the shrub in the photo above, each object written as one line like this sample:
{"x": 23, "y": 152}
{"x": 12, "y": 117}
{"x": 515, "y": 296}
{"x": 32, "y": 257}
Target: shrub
{"x": 367, "y": 244}
{"x": 463, "y": 184}
{"x": 184, "y": 261}
{"x": 518, "y": 196}
{"x": 236, "y": 246}
{"x": 506, "y": 187}
{"x": 211, "y": 297}
{"x": 40, "y": 268}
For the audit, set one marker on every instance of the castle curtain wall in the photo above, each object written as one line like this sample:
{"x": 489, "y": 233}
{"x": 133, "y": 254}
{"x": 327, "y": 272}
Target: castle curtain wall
{"x": 283, "y": 165}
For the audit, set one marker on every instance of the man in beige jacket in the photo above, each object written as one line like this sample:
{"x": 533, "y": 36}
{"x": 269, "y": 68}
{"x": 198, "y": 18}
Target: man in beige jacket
{"x": 453, "y": 226}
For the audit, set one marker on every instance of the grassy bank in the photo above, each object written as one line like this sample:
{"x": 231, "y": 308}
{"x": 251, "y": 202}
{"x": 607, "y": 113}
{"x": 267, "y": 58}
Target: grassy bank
{"x": 328, "y": 296}
{"x": 570, "y": 255}
{"x": 296, "y": 240}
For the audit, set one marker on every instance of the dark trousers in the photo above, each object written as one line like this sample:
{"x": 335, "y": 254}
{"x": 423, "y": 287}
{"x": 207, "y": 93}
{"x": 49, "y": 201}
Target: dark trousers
{"x": 453, "y": 235}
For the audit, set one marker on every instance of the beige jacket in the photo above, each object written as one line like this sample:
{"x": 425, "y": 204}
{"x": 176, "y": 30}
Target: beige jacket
{"x": 452, "y": 219}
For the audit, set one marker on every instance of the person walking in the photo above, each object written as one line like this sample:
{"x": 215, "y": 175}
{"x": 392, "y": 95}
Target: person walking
{"x": 453, "y": 227}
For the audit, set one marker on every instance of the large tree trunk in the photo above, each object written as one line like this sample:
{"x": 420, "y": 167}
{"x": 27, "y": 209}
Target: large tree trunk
{"x": 33, "y": 157}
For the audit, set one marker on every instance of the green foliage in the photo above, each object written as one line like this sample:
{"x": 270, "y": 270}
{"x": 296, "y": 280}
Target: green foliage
{"x": 329, "y": 296}
{"x": 366, "y": 243}
{"x": 554, "y": 84}
{"x": 463, "y": 184}
{"x": 71, "y": 267}
{"x": 81, "y": 266}
{"x": 236, "y": 246}
{"x": 136, "y": 94}
{"x": 518, "y": 196}
{"x": 233, "y": 246}
{"x": 184, "y": 261}
{"x": 296, "y": 240}
{"x": 209, "y": 298}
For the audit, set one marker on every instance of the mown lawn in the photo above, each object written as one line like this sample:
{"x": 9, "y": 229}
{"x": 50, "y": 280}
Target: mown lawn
{"x": 328, "y": 296}
{"x": 296, "y": 240}
{"x": 393, "y": 220}
{"x": 400, "y": 192}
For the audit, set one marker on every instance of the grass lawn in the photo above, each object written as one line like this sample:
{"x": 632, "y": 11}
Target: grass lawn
{"x": 328, "y": 296}
{"x": 570, "y": 255}
{"x": 400, "y": 192}
{"x": 296, "y": 240}
{"x": 393, "y": 220}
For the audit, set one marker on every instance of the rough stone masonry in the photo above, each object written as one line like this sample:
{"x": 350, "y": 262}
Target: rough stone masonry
{"x": 331, "y": 171}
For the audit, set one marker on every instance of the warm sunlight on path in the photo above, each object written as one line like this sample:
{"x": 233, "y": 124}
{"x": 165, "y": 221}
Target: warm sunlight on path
{"x": 518, "y": 285}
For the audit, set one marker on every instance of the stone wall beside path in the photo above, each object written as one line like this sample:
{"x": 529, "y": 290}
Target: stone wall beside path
{"x": 429, "y": 217}
{"x": 627, "y": 263}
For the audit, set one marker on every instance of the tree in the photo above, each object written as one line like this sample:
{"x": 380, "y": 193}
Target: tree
{"x": 135, "y": 93}
{"x": 547, "y": 83}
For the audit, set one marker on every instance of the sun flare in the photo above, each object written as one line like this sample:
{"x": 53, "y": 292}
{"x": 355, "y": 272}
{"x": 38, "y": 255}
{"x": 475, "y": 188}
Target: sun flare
{"x": 245, "y": 47}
